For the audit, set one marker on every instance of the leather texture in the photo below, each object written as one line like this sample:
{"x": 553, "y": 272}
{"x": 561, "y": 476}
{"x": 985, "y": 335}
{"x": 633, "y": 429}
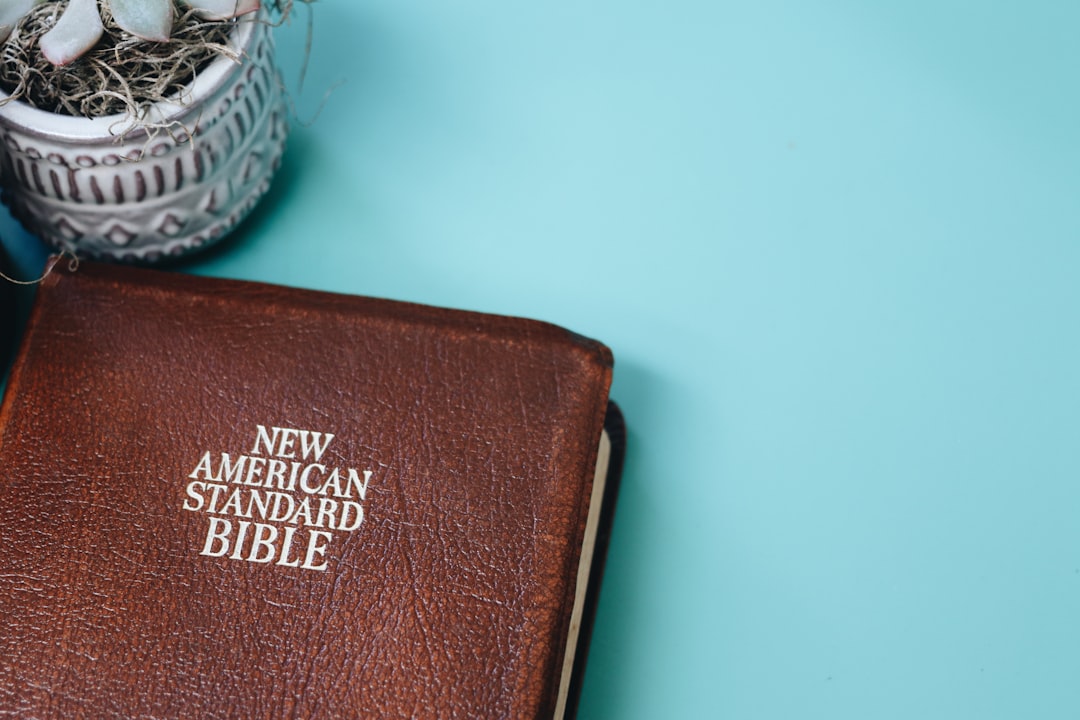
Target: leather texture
{"x": 450, "y": 600}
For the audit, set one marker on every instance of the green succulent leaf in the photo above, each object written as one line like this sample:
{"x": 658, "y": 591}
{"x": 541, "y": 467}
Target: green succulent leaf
{"x": 147, "y": 19}
{"x": 223, "y": 9}
{"x": 11, "y": 12}
{"x": 77, "y": 30}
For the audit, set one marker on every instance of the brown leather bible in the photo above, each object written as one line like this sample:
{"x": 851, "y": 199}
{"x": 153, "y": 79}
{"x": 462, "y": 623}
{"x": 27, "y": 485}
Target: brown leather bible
{"x": 224, "y": 499}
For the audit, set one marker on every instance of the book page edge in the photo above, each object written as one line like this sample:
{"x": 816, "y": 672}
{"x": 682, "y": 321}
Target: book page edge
{"x": 588, "y": 545}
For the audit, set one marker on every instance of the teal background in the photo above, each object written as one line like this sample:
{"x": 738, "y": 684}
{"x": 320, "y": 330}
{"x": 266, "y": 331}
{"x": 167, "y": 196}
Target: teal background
{"x": 834, "y": 248}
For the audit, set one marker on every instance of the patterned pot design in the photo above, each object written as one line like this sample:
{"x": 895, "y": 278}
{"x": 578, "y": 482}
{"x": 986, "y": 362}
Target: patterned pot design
{"x": 107, "y": 189}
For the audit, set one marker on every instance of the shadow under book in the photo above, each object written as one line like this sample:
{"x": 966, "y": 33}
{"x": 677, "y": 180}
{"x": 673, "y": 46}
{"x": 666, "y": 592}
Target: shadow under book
{"x": 226, "y": 499}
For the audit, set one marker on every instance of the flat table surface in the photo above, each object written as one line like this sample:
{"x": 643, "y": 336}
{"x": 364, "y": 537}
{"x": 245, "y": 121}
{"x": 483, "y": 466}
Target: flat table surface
{"x": 835, "y": 248}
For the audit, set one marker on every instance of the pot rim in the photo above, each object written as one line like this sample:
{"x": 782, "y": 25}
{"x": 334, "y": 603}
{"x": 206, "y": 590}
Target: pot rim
{"x": 110, "y": 128}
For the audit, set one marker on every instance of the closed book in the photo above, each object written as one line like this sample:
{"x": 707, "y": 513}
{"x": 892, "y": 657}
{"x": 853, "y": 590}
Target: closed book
{"x": 225, "y": 499}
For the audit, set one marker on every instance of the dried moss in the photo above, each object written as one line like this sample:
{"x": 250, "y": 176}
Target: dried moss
{"x": 121, "y": 74}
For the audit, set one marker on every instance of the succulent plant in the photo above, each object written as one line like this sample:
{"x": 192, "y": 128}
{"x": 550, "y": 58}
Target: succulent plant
{"x": 79, "y": 27}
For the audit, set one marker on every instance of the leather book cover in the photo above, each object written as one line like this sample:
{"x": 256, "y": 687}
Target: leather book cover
{"x": 225, "y": 499}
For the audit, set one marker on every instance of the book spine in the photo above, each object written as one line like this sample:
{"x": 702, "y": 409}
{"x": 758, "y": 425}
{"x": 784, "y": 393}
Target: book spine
{"x": 49, "y": 279}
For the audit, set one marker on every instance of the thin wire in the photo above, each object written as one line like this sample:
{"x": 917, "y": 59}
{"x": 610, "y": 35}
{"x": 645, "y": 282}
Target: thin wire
{"x": 73, "y": 265}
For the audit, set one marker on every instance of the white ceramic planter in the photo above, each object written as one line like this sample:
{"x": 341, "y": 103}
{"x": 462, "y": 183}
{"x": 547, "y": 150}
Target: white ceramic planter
{"x": 148, "y": 197}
